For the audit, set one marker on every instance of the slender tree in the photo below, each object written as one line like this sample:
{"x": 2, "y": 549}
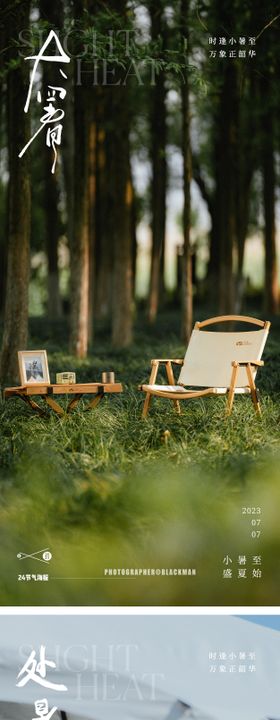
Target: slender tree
{"x": 3, "y": 191}
{"x": 246, "y": 166}
{"x": 104, "y": 203}
{"x": 16, "y": 301}
{"x": 67, "y": 150}
{"x": 187, "y": 300}
{"x": 80, "y": 250}
{"x": 92, "y": 172}
{"x": 122, "y": 273}
{"x": 122, "y": 308}
{"x": 225, "y": 187}
{"x": 271, "y": 287}
{"x": 54, "y": 307}
{"x": 53, "y": 13}
{"x": 159, "y": 168}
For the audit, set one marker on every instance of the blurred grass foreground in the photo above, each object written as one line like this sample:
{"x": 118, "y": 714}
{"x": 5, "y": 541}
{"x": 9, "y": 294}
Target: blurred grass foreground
{"x": 104, "y": 490}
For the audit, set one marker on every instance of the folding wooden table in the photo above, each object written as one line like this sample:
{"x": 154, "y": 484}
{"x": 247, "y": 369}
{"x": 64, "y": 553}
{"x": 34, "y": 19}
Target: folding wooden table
{"x": 48, "y": 393}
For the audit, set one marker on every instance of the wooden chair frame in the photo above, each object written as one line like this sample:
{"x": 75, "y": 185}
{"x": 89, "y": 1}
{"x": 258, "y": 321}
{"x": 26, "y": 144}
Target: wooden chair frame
{"x": 249, "y": 365}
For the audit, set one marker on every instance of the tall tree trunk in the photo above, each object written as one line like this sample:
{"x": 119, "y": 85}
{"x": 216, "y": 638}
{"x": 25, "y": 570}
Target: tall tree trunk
{"x": 213, "y": 262}
{"x": 187, "y": 299}
{"x": 159, "y": 171}
{"x": 52, "y": 237}
{"x": 134, "y": 234}
{"x": 242, "y": 219}
{"x": 80, "y": 251}
{"x": 104, "y": 205}
{"x": 80, "y": 246}
{"x": 246, "y": 164}
{"x": 92, "y": 215}
{"x": 67, "y": 150}
{"x": 3, "y": 192}
{"x": 271, "y": 289}
{"x": 226, "y": 179}
{"x": 122, "y": 308}
{"x": 122, "y": 278}
{"x": 52, "y": 12}
{"x": 3, "y": 271}
{"x": 16, "y": 302}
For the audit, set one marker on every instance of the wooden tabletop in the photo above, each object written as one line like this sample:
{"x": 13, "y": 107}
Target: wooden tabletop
{"x": 63, "y": 389}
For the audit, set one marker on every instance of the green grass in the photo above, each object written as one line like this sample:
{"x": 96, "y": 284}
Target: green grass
{"x": 103, "y": 489}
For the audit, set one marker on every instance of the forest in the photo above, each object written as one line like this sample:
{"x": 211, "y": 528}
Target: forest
{"x": 146, "y": 83}
{"x": 157, "y": 205}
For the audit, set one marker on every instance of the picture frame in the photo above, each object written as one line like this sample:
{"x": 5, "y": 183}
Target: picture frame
{"x": 33, "y": 367}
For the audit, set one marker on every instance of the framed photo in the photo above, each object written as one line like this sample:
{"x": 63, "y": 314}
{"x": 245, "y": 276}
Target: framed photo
{"x": 33, "y": 367}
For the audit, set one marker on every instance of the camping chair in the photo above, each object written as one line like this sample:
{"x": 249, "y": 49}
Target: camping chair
{"x": 217, "y": 363}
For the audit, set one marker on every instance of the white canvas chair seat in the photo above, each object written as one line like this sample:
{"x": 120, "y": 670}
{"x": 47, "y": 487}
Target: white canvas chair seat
{"x": 237, "y": 391}
{"x": 215, "y": 363}
{"x": 164, "y": 388}
{"x": 155, "y": 389}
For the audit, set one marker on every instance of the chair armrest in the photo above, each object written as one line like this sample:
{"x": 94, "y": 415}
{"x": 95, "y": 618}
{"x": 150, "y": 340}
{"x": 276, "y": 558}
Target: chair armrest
{"x": 257, "y": 363}
{"x": 176, "y": 361}
{"x": 155, "y": 363}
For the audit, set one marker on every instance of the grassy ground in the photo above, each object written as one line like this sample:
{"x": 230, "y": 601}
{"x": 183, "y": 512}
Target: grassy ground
{"x": 104, "y": 490}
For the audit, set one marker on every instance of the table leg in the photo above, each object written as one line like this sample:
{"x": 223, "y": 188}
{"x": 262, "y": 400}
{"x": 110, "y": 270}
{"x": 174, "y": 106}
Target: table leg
{"x": 95, "y": 401}
{"x": 74, "y": 402}
{"x": 32, "y": 404}
{"x": 54, "y": 405}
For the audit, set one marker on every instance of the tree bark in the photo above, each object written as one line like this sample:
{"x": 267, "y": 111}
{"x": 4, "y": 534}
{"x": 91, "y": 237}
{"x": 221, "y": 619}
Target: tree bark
{"x": 67, "y": 150}
{"x": 246, "y": 165}
{"x": 122, "y": 307}
{"x": 16, "y": 301}
{"x": 104, "y": 204}
{"x": 225, "y": 214}
{"x": 122, "y": 277}
{"x": 53, "y": 14}
{"x": 54, "y": 307}
{"x": 3, "y": 191}
{"x": 159, "y": 171}
{"x": 80, "y": 246}
{"x": 92, "y": 214}
{"x": 3, "y": 258}
{"x": 271, "y": 288}
{"x": 187, "y": 299}
{"x": 80, "y": 251}
{"x": 134, "y": 234}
